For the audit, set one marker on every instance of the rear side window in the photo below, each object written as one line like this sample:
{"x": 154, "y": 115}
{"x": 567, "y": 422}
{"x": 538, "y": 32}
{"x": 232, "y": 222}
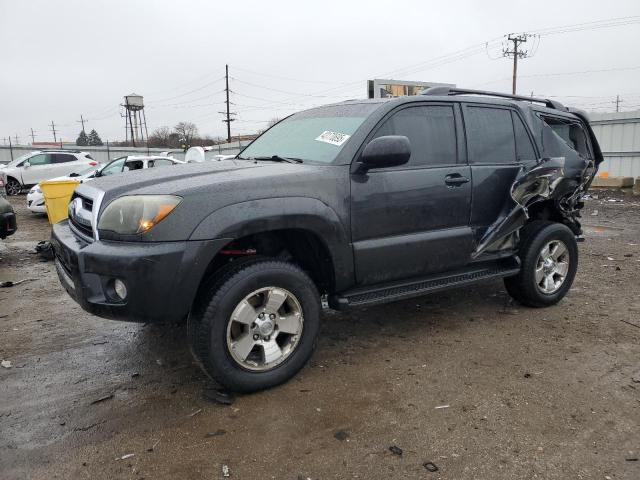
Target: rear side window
{"x": 570, "y": 133}
{"x": 490, "y": 135}
{"x": 160, "y": 163}
{"x": 524, "y": 147}
{"x": 63, "y": 158}
{"x": 431, "y": 130}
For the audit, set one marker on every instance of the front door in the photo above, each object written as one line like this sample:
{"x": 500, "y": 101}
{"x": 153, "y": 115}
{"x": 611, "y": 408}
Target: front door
{"x": 413, "y": 219}
{"x": 40, "y": 168}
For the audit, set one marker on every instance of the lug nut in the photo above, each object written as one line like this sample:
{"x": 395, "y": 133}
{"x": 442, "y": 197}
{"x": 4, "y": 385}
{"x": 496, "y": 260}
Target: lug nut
{"x": 272, "y": 316}
{"x": 261, "y": 316}
{"x": 256, "y": 336}
{"x": 267, "y": 338}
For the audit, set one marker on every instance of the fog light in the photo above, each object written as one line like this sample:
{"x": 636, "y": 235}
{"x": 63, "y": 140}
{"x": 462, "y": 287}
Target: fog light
{"x": 120, "y": 288}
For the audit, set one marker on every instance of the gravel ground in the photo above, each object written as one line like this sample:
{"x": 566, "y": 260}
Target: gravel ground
{"x": 551, "y": 393}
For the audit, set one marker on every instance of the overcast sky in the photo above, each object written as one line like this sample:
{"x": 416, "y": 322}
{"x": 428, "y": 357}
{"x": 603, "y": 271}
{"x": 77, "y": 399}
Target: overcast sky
{"x": 62, "y": 59}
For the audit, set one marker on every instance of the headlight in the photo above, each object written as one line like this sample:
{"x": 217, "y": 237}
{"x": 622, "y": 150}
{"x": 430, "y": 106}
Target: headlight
{"x": 35, "y": 189}
{"x": 136, "y": 213}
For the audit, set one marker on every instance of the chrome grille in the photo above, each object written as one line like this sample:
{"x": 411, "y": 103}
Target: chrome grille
{"x": 80, "y": 215}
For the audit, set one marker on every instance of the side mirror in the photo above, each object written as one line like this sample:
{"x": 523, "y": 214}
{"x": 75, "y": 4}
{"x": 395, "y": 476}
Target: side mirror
{"x": 26, "y": 164}
{"x": 387, "y": 151}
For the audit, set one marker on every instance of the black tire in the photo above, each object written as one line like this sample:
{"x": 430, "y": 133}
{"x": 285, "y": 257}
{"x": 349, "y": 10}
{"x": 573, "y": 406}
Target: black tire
{"x": 212, "y": 314}
{"x": 534, "y": 237}
{"x": 13, "y": 187}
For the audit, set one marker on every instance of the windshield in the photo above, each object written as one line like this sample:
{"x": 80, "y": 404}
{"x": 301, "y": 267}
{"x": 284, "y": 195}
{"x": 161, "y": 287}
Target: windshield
{"x": 315, "y": 135}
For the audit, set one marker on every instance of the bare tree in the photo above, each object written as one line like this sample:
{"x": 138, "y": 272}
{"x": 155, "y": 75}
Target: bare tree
{"x": 272, "y": 122}
{"x": 160, "y": 137}
{"x": 186, "y": 132}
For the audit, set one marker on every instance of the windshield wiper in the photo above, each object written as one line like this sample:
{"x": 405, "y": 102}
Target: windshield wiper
{"x": 278, "y": 158}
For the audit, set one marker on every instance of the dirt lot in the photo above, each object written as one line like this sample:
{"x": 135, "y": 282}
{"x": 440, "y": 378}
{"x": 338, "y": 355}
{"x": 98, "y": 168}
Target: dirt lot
{"x": 529, "y": 393}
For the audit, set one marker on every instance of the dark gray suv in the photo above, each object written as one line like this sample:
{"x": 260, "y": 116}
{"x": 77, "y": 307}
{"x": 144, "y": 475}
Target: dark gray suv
{"x": 362, "y": 202}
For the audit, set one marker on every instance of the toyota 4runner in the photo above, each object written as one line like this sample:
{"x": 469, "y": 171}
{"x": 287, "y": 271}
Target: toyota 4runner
{"x": 363, "y": 202}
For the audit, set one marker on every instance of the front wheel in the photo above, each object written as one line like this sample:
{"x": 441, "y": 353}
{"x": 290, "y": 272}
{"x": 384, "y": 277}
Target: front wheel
{"x": 13, "y": 187}
{"x": 549, "y": 255}
{"x": 259, "y": 326}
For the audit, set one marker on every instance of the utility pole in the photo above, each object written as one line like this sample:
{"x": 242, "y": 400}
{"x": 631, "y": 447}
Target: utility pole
{"x": 81, "y": 121}
{"x": 33, "y": 137}
{"x": 228, "y": 120}
{"x": 17, "y": 139}
{"x": 517, "y": 52}
{"x": 53, "y": 129}
{"x": 618, "y": 102}
{"x": 11, "y": 148}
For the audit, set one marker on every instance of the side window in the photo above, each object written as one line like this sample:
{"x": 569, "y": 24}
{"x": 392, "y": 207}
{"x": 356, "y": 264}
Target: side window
{"x": 160, "y": 163}
{"x": 490, "y": 135}
{"x": 571, "y": 133}
{"x": 524, "y": 147}
{"x": 431, "y": 130}
{"x": 62, "y": 158}
{"x": 40, "y": 159}
{"x": 133, "y": 165}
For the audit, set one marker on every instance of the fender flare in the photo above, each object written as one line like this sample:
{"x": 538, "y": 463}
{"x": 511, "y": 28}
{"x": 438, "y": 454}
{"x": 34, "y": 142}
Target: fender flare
{"x": 301, "y": 213}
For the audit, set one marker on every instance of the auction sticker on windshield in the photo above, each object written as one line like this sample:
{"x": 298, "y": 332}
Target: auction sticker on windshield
{"x": 334, "y": 138}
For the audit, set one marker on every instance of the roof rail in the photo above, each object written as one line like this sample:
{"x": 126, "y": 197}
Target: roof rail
{"x": 462, "y": 91}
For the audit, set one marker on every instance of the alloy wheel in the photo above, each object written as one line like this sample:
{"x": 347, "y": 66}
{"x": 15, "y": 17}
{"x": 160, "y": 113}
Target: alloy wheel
{"x": 264, "y": 329}
{"x": 552, "y": 267}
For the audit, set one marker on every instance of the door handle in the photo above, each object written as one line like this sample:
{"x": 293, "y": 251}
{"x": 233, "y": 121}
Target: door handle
{"x": 455, "y": 180}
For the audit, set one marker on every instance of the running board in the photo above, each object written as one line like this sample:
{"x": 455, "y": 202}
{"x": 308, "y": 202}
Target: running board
{"x": 390, "y": 292}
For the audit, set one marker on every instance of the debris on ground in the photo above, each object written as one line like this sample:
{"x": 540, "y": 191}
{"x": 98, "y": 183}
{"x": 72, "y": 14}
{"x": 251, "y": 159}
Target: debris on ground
{"x": 44, "y": 249}
{"x": 439, "y": 407}
{"x": 631, "y": 459}
{"x": 395, "y": 450}
{"x": 102, "y": 399}
{"x": 6, "y": 363}
{"x": 194, "y": 413}
{"x": 128, "y": 455}
{"x": 9, "y": 283}
{"x": 341, "y": 435}
{"x": 594, "y": 213}
{"x": 218, "y": 394}
{"x": 635, "y": 378}
{"x": 217, "y": 433}
{"x": 430, "y": 466}
{"x": 629, "y": 323}
{"x": 225, "y": 471}
{"x": 153, "y": 447}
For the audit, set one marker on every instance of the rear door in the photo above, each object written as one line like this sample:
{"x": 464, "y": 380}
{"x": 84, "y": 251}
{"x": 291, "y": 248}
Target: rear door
{"x": 498, "y": 144}
{"x": 413, "y": 219}
{"x": 64, "y": 164}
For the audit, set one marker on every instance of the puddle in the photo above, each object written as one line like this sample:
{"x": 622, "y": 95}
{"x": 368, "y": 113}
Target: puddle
{"x": 602, "y": 231}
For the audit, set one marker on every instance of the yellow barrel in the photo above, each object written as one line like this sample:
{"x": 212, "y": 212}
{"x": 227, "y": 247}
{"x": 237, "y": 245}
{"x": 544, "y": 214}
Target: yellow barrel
{"x": 57, "y": 194}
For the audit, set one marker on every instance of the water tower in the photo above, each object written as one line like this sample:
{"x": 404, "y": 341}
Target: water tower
{"x": 135, "y": 120}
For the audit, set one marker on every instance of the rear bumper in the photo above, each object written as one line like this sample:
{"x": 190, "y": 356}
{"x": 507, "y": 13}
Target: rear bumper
{"x": 8, "y": 224}
{"x": 161, "y": 278}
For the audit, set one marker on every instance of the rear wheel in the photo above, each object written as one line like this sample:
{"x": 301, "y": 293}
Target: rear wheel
{"x": 259, "y": 326}
{"x": 13, "y": 187}
{"x": 549, "y": 255}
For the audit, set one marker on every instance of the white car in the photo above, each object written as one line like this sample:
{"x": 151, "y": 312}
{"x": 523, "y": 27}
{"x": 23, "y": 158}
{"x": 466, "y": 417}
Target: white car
{"x": 35, "y": 199}
{"x": 40, "y": 165}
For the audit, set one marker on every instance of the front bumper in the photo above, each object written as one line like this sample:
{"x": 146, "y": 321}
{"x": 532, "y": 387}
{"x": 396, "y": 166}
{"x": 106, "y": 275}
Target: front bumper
{"x": 162, "y": 278}
{"x": 8, "y": 224}
{"x": 35, "y": 203}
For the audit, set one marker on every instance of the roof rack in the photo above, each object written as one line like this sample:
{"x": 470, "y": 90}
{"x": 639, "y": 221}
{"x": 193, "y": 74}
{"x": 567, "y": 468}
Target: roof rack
{"x": 462, "y": 91}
